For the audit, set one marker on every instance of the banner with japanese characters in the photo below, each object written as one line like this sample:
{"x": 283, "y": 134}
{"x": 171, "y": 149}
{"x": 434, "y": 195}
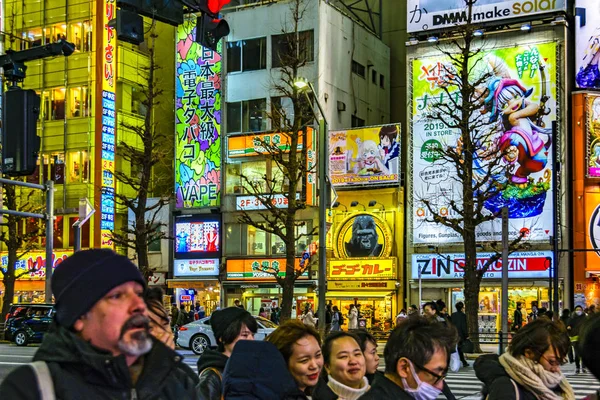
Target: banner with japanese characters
{"x": 519, "y": 106}
{"x": 197, "y": 121}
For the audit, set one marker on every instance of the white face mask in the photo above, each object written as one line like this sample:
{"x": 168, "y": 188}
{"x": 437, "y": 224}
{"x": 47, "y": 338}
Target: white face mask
{"x": 424, "y": 390}
{"x": 578, "y": 312}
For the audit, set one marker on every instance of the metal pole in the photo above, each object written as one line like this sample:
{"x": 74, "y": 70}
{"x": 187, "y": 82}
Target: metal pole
{"x": 49, "y": 237}
{"x": 77, "y": 234}
{"x": 420, "y": 291}
{"x": 323, "y": 205}
{"x": 504, "y": 332}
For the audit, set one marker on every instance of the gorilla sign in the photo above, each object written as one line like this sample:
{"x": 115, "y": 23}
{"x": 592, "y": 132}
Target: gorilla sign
{"x": 363, "y": 235}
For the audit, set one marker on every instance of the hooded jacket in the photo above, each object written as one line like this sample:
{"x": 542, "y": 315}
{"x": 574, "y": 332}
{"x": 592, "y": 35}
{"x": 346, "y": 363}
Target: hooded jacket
{"x": 497, "y": 384}
{"x": 82, "y": 371}
{"x": 211, "y": 382}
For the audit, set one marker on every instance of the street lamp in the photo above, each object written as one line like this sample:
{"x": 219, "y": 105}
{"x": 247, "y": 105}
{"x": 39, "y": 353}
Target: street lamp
{"x": 324, "y": 190}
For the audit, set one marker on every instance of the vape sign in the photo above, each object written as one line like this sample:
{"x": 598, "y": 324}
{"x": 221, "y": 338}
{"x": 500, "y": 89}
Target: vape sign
{"x": 522, "y": 265}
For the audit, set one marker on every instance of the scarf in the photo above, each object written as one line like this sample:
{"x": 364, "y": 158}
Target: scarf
{"x": 345, "y": 392}
{"x": 536, "y": 379}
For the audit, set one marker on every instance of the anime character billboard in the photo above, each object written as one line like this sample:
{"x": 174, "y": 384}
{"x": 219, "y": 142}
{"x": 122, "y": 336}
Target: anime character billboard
{"x": 592, "y": 129}
{"x": 587, "y": 44}
{"x": 517, "y": 110}
{"x": 364, "y": 156}
{"x": 197, "y": 121}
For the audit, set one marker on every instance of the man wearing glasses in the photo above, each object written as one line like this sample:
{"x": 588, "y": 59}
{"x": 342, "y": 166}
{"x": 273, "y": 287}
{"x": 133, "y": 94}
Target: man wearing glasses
{"x": 416, "y": 361}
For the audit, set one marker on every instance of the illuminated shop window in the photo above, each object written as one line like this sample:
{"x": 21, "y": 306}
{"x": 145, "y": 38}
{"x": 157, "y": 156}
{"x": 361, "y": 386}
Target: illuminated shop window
{"x": 80, "y": 34}
{"x": 79, "y": 102}
{"x": 247, "y": 55}
{"x": 263, "y": 176}
{"x": 57, "y": 104}
{"x": 31, "y": 38}
{"x": 247, "y": 116}
{"x": 257, "y": 242}
{"x": 137, "y": 102}
{"x": 78, "y": 166}
{"x": 53, "y": 167}
{"x": 286, "y": 46}
{"x": 246, "y": 240}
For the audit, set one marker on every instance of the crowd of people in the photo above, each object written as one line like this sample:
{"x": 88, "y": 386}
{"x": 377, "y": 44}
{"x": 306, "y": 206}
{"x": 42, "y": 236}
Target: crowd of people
{"x": 112, "y": 339}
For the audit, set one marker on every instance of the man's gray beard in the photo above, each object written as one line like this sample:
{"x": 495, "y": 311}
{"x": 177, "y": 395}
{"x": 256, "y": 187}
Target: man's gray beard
{"x": 139, "y": 344}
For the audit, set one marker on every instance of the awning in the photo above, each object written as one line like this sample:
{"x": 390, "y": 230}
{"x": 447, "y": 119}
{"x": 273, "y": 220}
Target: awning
{"x": 27, "y": 285}
{"x": 191, "y": 283}
{"x": 361, "y": 295}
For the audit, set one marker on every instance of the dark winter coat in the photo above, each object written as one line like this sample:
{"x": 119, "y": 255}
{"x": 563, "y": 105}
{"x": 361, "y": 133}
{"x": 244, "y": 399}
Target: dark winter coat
{"x": 211, "y": 382}
{"x": 383, "y": 388}
{"x": 575, "y": 323}
{"x": 322, "y": 391}
{"x": 517, "y": 320}
{"x": 497, "y": 384}
{"x": 459, "y": 320}
{"x": 257, "y": 371}
{"x": 81, "y": 371}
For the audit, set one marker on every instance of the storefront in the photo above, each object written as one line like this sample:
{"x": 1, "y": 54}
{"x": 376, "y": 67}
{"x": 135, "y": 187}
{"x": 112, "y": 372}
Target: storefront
{"x": 196, "y": 281}
{"x": 252, "y": 282}
{"x": 31, "y": 275}
{"x": 441, "y": 277}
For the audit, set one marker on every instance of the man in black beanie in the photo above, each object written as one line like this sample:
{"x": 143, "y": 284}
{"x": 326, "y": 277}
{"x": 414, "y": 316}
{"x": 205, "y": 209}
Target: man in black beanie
{"x": 100, "y": 345}
{"x": 229, "y": 325}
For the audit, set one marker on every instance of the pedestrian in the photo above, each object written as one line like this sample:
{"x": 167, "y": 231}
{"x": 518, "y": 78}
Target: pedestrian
{"x": 592, "y": 309}
{"x": 573, "y": 328}
{"x": 336, "y": 320}
{"x": 441, "y": 309}
{"x": 237, "y": 304}
{"x": 307, "y": 317}
{"x": 262, "y": 312}
{"x": 159, "y": 318}
{"x": 352, "y": 317}
{"x": 300, "y": 346}
{"x": 413, "y": 310}
{"x": 182, "y": 316}
{"x": 533, "y": 315}
{"x": 344, "y": 363}
{"x": 174, "y": 315}
{"x": 229, "y": 325}
{"x": 416, "y": 361}
{"x": 564, "y": 319}
{"x": 517, "y": 317}
{"x": 530, "y": 369}
{"x": 368, "y": 344}
{"x": 589, "y": 343}
{"x": 401, "y": 316}
{"x": 328, "y": 316}
{"x": 459, "y": 320}
{"x": 100, "y": 345}
{"x": 430, "y": 310}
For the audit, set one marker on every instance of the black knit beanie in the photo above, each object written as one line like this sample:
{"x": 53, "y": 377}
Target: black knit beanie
{"x": 221, "y": 319}
{"x": 84, "y": 278}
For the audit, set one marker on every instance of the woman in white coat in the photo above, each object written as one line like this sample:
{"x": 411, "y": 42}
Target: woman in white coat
{"x": 352, "y": 317}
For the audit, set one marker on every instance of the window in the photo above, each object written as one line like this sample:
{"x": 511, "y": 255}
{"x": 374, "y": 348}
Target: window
{"x": 79, "y": 102}
{"x": 246, "y": 240}
{"x": 358, "y": 68}
{"x": 137, "y": 102}
{"x": 247, "y": 55}
{"x": 80, "y": 34}
{"x": 357, "y": 122}
{"x": 285, "y": 48}
{"x": 257, "y": 242}
{"x": 54, "y": 104}
{"x": 261, "y": 176}
{"x": 78, "y": 166}
{"x": 247, "y": 116}
{"x": 53, "y": 167}
{"x": 374, "y": 77}
{"x": 154, "y": 244}
{"x": 283, "y": 109}
{"x": 381, "y": 82}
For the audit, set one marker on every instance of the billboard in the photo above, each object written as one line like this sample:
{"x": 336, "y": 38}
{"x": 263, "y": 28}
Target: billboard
{"x": 200, "y": 267}
{"x": 365, "y": 156}
{"x": 426, "y": 15}
{"x": 520, "y": 107}
{"x": 587, "y": 43}
{"x": 107, "y": 159}
{"x": 521, "y": 265}
{"x": 256, "y": 269}
{"x": 592, "y": 218}
{"x": 35, "y": 263}
{"x": 592, "y": 132}
{"x": 197, "y": 236}
{"x": 197, "y": 121}
{"x": 363, "y": 234}
{"x": 363, "y": 268}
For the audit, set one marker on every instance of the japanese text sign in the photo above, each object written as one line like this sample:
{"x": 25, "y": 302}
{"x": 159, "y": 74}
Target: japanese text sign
{"x": 372, "y": 268}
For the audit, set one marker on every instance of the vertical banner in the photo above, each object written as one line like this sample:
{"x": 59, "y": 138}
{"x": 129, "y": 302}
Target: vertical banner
{"x": 197, "y": 120}
{"x": 587, "y": 43}
{"x": 520, "y": 106}
{"x": 109, "y": 81}
{"x": 592, "y": 133}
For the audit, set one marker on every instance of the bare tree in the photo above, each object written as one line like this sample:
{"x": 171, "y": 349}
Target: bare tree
{"x": 150, "y": 161}
{"x": 486, "y": 162}
{"x": 18, "y": 239}
{"x": 292, "y": 160}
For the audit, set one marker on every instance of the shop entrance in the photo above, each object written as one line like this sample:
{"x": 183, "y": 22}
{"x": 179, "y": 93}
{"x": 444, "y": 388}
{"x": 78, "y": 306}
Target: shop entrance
{"x": 376, "y": 312}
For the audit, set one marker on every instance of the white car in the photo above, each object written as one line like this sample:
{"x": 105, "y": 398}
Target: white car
{"x": 198, "y": 335}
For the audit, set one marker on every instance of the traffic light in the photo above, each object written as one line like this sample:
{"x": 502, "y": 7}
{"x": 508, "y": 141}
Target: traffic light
{"x": 210, "y": 30}
{"x": 129, "y": 26}
{"x": 20, "y": 142}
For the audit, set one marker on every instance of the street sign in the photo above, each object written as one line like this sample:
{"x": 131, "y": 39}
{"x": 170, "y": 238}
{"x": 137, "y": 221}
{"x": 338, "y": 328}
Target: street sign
{"x": 86, "y": 210}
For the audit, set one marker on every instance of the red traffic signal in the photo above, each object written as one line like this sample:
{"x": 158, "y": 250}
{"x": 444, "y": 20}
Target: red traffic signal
{"x": 212, "y": 7}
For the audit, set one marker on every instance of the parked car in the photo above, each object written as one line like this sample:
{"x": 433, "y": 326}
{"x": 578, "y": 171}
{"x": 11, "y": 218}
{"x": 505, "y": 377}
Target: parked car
{"x": 198, "y": 335}
{"x": 27, "y": 323}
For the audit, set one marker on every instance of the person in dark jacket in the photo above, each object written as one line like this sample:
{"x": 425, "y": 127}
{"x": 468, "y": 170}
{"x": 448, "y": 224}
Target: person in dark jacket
{"x": 229, "y": 325}
{"x": 564, "y": 319}
{"x": 589, "y": 341}
{"x": 100, "y": 345}
{"x": 459, "y": 320}
{"x": 573, "y": 327}
{"x": 518, "y": 318}
{"x": 530, "y": 369}
{"x": 368, "y": 345}
{"x": 416, "y": 361}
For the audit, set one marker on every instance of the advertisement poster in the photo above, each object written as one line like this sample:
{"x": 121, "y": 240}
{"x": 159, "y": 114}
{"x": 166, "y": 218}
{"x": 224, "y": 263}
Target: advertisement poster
{"x": 521, "y": 265}
{"x": 363, "y": 234}
{"x": 197, "y": 237}
{"x": 365, "y": 156}
{"x": 587, "y": 43}
{"x": 518, "y": 110}
{"x": 35, "y": 263}
{"x": 201, "y": 267}
{"x": 197, "y": 121}
{"x": 259, "y": 270}
{"x": 592, "y": 216}
{"x": 592, "y": 131}
{"x": 424, "y": 15}
{"x": 358, "y": 269}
